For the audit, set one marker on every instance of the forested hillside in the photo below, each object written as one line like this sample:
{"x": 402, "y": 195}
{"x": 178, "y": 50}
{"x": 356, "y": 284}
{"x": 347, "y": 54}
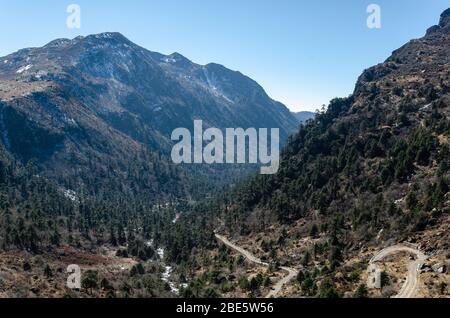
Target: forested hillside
{"x": 370, "y": 169}
{"x": 85, "y": 176}
{"x": 390, "y": 139}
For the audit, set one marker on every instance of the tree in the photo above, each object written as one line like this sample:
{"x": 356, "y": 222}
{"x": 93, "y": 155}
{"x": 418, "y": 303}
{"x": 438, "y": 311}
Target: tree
{"x": 244, "y": 283}
{"x": 122, "y": 240}
{"x": 126, "y": 289}
{"x": 267, "y": 281}
{"x": 335, "y": 257}
{"x": 385, "y": 280}
{"x": 56, "y": 237}
{"x": 26, "y": 266}
{"x": 137, "y": 270}
{"x": 106, "y": 285}
{"x": 308, "y": 284}
{"x": 211, "y": 293}
{"x": 361, "y": 291}
{"x": 300, "y": 277}
{"x": 411, "y": 200}
{"x": 327, "y": 289}
{"x": 90, "y": 281}
{"x": 306, "y": 258}
{"x": 110, "y": 293}
{"x": 48, "y": 271}
{"x": 112, "y": 237}
{"x": 314, "y": 231}
{"x": 33, "y": 238}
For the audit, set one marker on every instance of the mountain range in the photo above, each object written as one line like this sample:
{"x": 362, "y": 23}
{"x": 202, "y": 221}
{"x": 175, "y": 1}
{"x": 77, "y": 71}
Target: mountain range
{"x": 92, "y": 105}
{"x": 85, "y": 178}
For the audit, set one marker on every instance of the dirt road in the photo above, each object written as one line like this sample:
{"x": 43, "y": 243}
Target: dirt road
{"x": 410, "y": 286}
{"x": 240, "y": 250}
{"x": 292, "y": 273}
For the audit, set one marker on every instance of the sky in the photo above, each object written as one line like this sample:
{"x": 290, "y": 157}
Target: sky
{"x": 304, "y": 53}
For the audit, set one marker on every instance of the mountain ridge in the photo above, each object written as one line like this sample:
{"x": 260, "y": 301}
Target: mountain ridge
{"x": 370, "y": 171}
{"x": 104, "y": 96}
{"x": 211, "y": 79}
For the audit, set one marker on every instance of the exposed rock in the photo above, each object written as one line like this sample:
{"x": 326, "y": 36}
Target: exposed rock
{"x": 445, "y": 19}
{"x": 433, "y": 29}
{"x": 439, "y": 268}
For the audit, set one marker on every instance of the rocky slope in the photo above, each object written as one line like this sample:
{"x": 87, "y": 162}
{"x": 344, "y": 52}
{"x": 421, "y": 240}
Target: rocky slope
{"x": 372, "y": 170}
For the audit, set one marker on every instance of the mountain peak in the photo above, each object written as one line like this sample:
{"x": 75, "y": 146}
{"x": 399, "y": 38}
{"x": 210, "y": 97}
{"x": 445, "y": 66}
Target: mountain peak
{"x": 59, "y": 43}
{"x": 444, "y": 24}
{"x": 177, "y": 58}
{"x": 109, "y": 35}
{"x": 445, "y": 18}
{"x": 106, "y": 37}
{"x": 115, "y": 36}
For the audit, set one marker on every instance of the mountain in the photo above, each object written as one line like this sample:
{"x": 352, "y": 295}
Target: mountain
{"x": 85, "y": 178}
{"x": 303, "y": 117}
{"x": 85, "y": 128}
{"x": 371, "y": 171}
{"x": 144, "y": 94}
{"x": 99, "y": 103}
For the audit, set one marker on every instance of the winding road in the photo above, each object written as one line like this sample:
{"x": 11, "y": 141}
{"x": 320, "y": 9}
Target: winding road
{"x": 410, "y": 286}
{"x": 408, "y": 289}
{"x": 292, "y": 273}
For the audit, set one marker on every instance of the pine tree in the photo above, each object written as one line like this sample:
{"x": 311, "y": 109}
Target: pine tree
{"x": 361, "y": 292}
{"x": 48, "y": 271}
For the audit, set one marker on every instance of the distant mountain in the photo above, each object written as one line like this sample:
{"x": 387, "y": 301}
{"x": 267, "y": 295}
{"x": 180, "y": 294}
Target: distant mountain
{"x": 95, "y": 105}
{"x": 303, "y": 117}
{"x": 139, "y": 92}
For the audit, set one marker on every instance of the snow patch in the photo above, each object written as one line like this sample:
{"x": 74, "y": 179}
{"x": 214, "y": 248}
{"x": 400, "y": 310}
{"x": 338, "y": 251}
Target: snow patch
{"x": 213, "y": 87}
{"x": 169, "y": 60}
{"x": 177, "y": 217}
{"x": 24, "y": 69}
{"x": 40, "y": 74}
{"x": 71, "y": 195}
{"x": 70, "y": 121}
{"x": 160, "y": 252}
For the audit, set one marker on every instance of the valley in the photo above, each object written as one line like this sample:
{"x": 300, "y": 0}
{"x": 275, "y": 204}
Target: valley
{"x": 358, "y": 207}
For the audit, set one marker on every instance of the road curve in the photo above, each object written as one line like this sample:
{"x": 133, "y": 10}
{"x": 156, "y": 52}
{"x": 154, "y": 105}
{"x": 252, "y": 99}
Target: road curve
{"x": 410, "y": 286}
{"x": 292, "y": 273}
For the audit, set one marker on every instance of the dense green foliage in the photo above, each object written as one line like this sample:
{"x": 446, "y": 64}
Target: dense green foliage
{"x": 329, "y": 163}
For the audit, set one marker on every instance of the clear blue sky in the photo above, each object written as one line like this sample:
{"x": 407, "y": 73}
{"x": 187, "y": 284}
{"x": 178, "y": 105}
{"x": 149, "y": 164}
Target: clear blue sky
{"x": 302, "y": 52}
